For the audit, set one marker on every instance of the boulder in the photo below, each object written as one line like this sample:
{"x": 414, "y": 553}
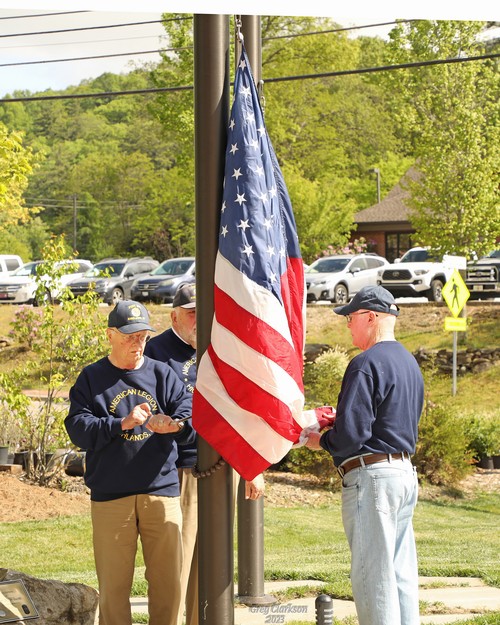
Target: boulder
{"x": 57, "y": 603}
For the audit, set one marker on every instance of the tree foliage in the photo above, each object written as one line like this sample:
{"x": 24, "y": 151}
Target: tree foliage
{"x": 119, "y": 171}
{"x": 452, "y": 113}
{"x": 16, "y": 164}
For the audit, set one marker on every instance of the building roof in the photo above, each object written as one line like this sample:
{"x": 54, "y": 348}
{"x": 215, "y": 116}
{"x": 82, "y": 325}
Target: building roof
{"x": 392, "y": 208}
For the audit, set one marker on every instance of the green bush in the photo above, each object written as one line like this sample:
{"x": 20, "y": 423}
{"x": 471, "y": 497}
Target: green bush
{"x": 442, "y": 456}
{"x": 483, "y": 435}
{"x": 323, "y": 377}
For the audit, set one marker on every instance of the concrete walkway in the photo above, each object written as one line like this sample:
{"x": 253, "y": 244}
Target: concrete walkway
{"x": 465, "y": 598}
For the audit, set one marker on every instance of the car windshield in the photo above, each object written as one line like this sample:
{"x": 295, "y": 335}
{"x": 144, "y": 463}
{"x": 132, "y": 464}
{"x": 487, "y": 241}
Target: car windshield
{"x": 109, "y": 269}
{"x": 494, "y": 254}
{"x": 172, "y": 267}
{"x": 420, "y": 256}
{"x": 29, "y": 269}
{"x": 328, "y": 265}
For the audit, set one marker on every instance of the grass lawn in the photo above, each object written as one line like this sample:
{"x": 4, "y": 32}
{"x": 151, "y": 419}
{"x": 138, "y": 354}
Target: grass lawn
{"x": 455, "y": 537}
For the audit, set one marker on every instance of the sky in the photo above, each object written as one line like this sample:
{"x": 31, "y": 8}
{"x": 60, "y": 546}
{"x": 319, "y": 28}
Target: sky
{"x": 17, "y": 20}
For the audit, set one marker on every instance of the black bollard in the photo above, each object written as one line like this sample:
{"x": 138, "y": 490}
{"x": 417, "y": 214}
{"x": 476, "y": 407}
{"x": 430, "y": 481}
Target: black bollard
{"x": 324, "y": 610}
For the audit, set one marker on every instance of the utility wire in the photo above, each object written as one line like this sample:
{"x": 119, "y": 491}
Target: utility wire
{"x": 92, "y": 41}
{"x": 349, "y": 72}
{"x": 85, "y": 58}
{"x": 21, "y": 17}
{"x": 72, "y": 30}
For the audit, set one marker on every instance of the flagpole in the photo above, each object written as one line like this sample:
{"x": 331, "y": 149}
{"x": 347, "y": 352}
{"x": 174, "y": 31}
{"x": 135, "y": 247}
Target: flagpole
{"x": 211, "y": 112}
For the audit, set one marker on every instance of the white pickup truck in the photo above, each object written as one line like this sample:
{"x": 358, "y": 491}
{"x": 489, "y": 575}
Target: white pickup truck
{"x": 417, "y": 274}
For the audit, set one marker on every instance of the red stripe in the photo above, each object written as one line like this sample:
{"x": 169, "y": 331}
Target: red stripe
{"x": 292, "y": 293}
{"x": 252, "y": 398}
{"x": 258, "y": 335}
{"x": 217, "y": 432}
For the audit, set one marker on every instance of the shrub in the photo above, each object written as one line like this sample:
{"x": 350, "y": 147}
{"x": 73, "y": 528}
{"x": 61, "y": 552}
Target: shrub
{"x": 302, "y": 460}
{"x": 483, "y": 435}
{"x": 323, "y": 377}
{"x": 442, "y": 456}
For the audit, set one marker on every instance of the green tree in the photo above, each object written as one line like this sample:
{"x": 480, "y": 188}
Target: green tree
{"x": 451, "y": 112}
{"x": 16, "y": 164}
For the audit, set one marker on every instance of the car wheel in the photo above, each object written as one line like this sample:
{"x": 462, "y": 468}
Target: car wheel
{"x": 436, "y": 294}
{"x": 116, "y": 296}
{"x": 340, "y": 294}
{"x": 45, "y": 299}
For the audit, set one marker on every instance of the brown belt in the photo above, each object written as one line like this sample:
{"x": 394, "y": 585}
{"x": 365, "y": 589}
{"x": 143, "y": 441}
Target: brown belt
{"x": 369, "y": 459}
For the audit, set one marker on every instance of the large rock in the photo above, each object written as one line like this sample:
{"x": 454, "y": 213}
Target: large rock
{"x": 57, "y": 603}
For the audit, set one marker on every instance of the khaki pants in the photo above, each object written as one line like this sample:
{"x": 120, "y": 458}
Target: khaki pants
{"x": 116, "y": 527}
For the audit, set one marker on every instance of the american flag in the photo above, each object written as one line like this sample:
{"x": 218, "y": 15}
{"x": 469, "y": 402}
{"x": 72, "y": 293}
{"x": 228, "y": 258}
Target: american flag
{"x": 249, "y": 397}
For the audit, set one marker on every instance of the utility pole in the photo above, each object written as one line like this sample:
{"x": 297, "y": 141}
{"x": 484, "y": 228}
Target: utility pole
{"x": 74, "y": 222}
{"x": 376, "y": 171}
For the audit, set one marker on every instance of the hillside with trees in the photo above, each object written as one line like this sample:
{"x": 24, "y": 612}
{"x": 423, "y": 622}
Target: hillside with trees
{"x": 115, "y": 173}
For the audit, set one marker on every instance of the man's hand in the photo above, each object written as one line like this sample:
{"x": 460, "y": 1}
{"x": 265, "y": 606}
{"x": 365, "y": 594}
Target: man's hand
{"x": 313, "y": 440}
{"x": 137, "y": 416}
{"x": 163, "y": 424}
{"x": 255, "y": 488}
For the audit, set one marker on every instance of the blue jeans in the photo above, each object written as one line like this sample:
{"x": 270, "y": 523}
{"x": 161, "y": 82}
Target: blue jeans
{"x": 377, "y": 509}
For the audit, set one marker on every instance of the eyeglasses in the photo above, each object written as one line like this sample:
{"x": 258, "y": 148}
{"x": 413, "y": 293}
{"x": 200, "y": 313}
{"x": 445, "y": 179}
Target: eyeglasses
{"x": 135, "y": 337}
{"x": 349, "y": 317}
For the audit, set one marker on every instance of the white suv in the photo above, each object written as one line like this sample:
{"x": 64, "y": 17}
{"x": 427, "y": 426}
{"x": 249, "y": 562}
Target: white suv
{"x": 418, "y": 273}
{"x": 20, "y": 286}
{"x": 338, "y": 278}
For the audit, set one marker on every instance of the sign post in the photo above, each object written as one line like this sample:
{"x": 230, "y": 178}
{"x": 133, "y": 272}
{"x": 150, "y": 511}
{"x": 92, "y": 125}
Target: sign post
{"x": 455, "y": 294}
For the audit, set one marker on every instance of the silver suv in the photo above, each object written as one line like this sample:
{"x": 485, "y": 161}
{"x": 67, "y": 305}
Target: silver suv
{"x": 338, "y": 278}
{"x": 112, "y": 278}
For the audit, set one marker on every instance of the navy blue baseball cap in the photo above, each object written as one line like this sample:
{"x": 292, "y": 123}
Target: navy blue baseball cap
{"x": 374, "y": 298}
{"x": 128, "y": 317}
{"x": 185, "y": 296}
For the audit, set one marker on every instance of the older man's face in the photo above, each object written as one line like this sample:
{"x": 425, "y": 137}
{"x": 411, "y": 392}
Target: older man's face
{"x": 184, "y": 323}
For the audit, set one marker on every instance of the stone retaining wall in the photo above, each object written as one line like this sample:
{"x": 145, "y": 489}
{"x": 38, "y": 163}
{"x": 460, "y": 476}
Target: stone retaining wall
{"x": 468, "y": 360}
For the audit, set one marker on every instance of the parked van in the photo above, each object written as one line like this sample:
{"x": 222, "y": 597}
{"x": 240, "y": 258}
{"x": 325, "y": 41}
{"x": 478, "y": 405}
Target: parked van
{"x": 9, "y": 263}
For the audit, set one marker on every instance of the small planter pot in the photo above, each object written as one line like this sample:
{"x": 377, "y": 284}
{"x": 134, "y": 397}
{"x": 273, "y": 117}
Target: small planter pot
{"x": 4, "y": 455}
{"x": 496, "y": 462}
{"x": 486, "y": 462}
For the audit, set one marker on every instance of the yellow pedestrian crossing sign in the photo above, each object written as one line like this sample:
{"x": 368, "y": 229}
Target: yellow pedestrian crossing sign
{"x": 455, "y": 293}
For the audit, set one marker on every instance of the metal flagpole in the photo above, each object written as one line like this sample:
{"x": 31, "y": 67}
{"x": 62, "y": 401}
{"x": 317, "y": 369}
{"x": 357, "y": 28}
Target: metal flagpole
{"x": 211, "y": 113}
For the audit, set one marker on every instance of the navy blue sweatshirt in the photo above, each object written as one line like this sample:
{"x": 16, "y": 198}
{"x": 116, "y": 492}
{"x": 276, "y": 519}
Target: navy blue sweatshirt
{"x": 122, "y": 463}
{"x": 170, "y": 348}
{"x": 379, "y": 404}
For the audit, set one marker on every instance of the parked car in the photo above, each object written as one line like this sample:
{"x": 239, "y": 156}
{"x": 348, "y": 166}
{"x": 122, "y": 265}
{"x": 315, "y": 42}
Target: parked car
{"x": 9, "y": 263}
{"x": 162, "y": 284}
{"x": 417, "y": 273}
{"x": 112, "y": 278}
{"x": 20, "y": 286}
{"x": 338, "y": 278}
{"x": 482, "y": 276}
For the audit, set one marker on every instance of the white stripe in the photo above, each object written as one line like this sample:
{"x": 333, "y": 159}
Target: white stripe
{"x": 263, "y": 371}
{"x": 257, "y": 300}
{"x": 256, "y": 432}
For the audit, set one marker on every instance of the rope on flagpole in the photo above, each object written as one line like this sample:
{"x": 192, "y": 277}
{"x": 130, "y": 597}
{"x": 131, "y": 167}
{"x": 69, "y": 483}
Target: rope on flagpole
{"x": 208, "y": 472}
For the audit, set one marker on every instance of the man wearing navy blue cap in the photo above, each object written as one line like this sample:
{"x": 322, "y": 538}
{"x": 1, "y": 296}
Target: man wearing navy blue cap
{"x": 371, "y": 442}
{"x": 125, "y": 411}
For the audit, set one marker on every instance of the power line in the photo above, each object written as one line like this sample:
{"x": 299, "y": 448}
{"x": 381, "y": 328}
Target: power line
{"x": 21, "y": 17}
{"x": 92, "y": 41}
{"x": 81, "y": 28}
{"x": 350, "y": 72}
{"x": 86, "y": 58}
{"x": 337, "y": 30}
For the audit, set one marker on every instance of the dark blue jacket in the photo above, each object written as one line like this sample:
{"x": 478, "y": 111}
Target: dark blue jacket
{"x": 122, "y": 463}
{"x": 170, "y": 348}
{"x": 379, "y": 404}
